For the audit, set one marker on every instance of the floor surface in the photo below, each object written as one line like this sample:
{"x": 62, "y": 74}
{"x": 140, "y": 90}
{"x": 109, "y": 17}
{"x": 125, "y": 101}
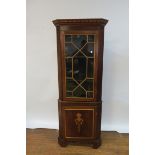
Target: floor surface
{"x": 44, "y": 142}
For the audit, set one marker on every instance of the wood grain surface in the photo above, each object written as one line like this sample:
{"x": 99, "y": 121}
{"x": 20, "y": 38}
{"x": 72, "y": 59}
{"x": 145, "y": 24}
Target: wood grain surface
{"x": 44, "y": 142}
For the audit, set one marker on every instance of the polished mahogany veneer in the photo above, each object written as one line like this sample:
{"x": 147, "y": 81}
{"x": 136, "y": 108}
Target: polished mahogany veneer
{"x": 80, "y": 45}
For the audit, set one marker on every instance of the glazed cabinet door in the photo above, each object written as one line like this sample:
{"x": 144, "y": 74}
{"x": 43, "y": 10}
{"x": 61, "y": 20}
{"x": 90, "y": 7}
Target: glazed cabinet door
{"x": 79, "y": 52}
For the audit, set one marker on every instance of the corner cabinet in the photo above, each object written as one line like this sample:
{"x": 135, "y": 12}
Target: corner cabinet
{"x": 80, "y": 61}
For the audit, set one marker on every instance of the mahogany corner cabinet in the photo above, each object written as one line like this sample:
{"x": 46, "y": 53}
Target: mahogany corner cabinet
{"x": 80, "y": 45}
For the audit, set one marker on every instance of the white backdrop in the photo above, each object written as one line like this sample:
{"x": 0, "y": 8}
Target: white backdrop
{"x": 42, "y": 83}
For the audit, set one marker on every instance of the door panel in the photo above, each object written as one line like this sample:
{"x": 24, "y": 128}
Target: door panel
{"x": 79, "y": 122}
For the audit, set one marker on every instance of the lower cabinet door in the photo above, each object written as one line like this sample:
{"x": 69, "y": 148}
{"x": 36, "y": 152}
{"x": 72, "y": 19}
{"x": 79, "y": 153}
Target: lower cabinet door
{"x": 79, "y": 122}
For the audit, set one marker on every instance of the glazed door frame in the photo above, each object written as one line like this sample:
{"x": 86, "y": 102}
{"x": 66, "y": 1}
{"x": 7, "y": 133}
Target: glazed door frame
{"x": 96, "y": 48}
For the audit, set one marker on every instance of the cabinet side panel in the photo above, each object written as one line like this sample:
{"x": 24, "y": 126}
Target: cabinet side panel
{"x": 100, "y": 63}
{"x": 59, "y": 60}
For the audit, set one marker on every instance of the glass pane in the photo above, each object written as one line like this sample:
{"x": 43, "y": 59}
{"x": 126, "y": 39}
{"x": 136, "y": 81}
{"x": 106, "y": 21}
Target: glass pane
{"x": 79, "y": 68}
{"x": 79, "y": 55}
{"x": 79, "y": 40}
{"x": 90, "y": 70}
{"x": 70, "y": 50}
{"x": 69, "y": 67}
{"x": 88, "y": 49}
{"x": 70, "y": 84}
{"x": 68, "y": 38}
{"x": 68, "y": 94}
{"x": 90, "y": 94}
{"x": 90, "y": 38}
{"x": 88, "y": 85}
{"x": 79, "y": 92}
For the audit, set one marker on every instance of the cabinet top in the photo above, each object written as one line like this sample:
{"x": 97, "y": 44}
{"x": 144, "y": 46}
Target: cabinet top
{"x": 95, "y": 21}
